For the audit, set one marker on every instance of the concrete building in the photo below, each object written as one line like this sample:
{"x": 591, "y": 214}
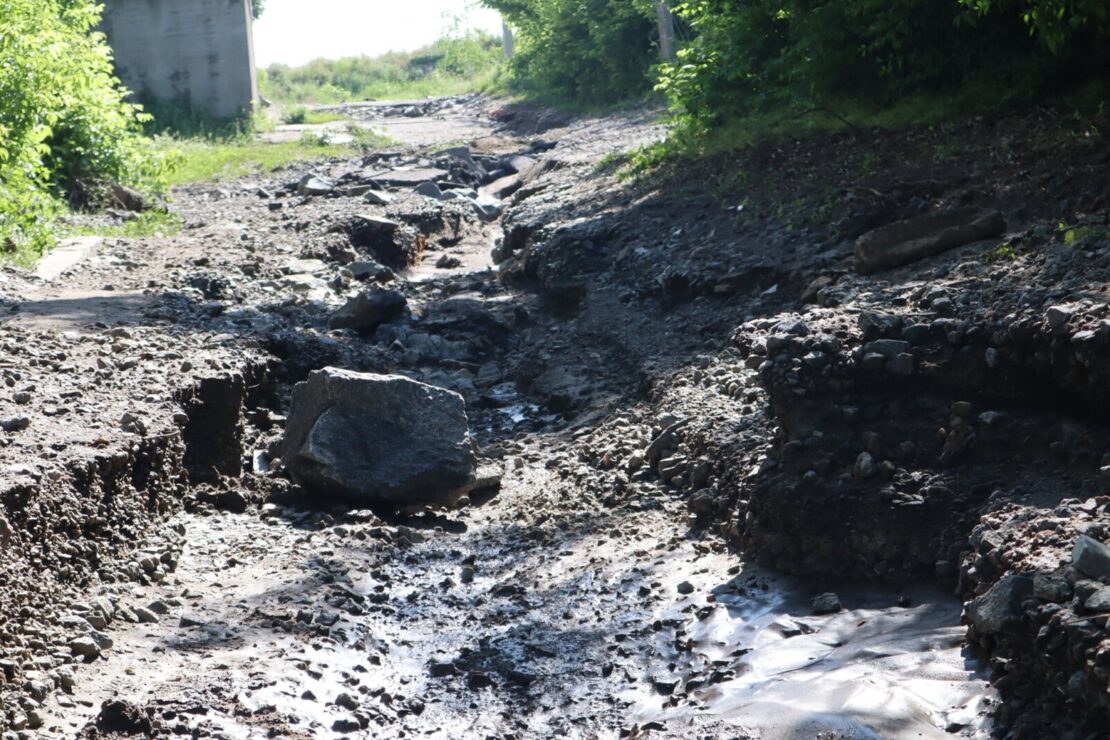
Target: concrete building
{"x": 199, "y": 52}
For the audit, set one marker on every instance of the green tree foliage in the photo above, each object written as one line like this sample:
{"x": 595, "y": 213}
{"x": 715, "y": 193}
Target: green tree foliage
{"x": 582, "y": 51}
{"x": 1056, "y": 22}
{"x": 65, "y": 128}
{"x": 749, "y": 56}
{"x": 257, "y": 6}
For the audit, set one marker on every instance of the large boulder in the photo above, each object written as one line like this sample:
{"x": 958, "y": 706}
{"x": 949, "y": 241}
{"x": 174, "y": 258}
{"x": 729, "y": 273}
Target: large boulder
{"x": 380, "y": 440}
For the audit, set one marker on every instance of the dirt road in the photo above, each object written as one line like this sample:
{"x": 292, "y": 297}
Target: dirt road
{"x": 587, "y": 598}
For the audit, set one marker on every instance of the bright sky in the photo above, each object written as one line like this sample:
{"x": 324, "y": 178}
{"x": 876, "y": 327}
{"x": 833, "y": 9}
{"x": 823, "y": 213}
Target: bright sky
{"x": 297, "y": 31}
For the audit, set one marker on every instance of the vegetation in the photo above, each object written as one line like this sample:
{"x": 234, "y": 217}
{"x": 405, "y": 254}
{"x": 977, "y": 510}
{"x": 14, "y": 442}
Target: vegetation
{"x": 65, "y": 129}
{"x": 461, "y": 61}
{"x": 585, "y": 52}
{"x": 206, "y": 159}
{"x": 749, "y": 68}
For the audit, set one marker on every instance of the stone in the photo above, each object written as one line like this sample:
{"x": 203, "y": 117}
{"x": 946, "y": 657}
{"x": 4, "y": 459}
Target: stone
{"x": 1099, "y": 601}
{"x": 865, "y": 466}
{"x": 377, "y": 198}
{"x": 368, "y": 309}
{"x": 685, "y": 588}
{"x": 826, "y": 603}
{"x": 924, "y": 236}
{"x": 370, "y": 270}
{"x": 411, "y": 177}
{"x": 390, "y": 242}
{"x": 429, "y": 190}
{"x": 85, "y": 647}
{"x": 379, "y": 440}
{"x": 1057, "y": 317}
{"x": 503, "y": 187}
{"x": 1000, "y": 607}
{"x": 890, "y": 349}
{"x": 313, "y": 185}
{"x": 1092, "y": 558}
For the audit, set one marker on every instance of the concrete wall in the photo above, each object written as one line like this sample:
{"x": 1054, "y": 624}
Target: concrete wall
{"x": 200, "y": 51}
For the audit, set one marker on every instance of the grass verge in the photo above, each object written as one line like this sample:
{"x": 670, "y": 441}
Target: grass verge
{"x": 222, "y": 159}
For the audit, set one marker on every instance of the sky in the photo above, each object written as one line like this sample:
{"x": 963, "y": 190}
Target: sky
{"x": 297, "y": 31}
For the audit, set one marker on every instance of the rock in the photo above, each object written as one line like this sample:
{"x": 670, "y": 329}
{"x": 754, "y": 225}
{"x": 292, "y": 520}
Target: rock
{"x": 129, "y": 199}
{"x": 890, "y": 349}
{"x": 685, "y": 588}
{"x": 924, "y": 236}
{"x": 1099, "y": 601}
{"x": 826, "y": 603}
{"x": 15, "y": 423}
{"x": 411, "y": 177}
{"x": 345, "y": 725}
{"x": 368, "y": 309}
{"x": 865, "y": 466}
{"x": 1057, "y": 317}
{"x": 313, "y": 185}
{"x": 503, "y": 187}
{"x": 370, "y": 270}
{"x": 997, "y": 609}
{"x": 391, "y": 243}
{"x": 1091, "y": 557}
{"x": 520, "y": 164}
{"x": 85, "y": 647}
{"x": 377, "y": 198}
{"x": 1052, "y": 587}
{"x": 145, "y": 616}
{"x": 429, "y": 190}
{"x": 117, "y": 715}
{"x": 378, "y": 439}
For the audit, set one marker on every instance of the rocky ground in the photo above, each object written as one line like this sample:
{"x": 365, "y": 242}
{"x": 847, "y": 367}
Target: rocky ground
{"x": 730, "y": 482}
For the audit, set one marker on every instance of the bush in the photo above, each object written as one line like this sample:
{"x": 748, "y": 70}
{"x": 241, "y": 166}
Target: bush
{"x": 295, "y": 116}
{"x": 65, "y": 129}
{"x": 586, "y": 52}
{"x": 753, "y": 56}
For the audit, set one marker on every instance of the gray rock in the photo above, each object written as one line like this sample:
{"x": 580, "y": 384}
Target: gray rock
{"x": 827, "y": 603}
{"x": 1091, "y": 558}
{"x": 1052, "y": 587}
{"x": 503, "y": 187}
{"x": 377, "y": 198}
{"x": 908, "y": 241}
{"x": 1057, "y": 317}
{"x": 85, "y": 647}
{"x": 370, "y": 270}
{"x": 997, "y": 609}
{"x": 865, "y": 466}
{"x": 313, "y": 185}
{"x": 378, "y": 440}
{"x": 1099, "y": 601}
{"x": 429, "y": 189}
{"x": 890, "y": 349}
{"x": 368, "y": 309}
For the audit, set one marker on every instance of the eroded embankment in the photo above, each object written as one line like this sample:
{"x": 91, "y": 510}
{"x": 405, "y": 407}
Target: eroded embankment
{"x": 876, "y": 425}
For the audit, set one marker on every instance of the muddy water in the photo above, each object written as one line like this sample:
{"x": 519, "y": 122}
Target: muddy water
{"x": 549, "y": 622}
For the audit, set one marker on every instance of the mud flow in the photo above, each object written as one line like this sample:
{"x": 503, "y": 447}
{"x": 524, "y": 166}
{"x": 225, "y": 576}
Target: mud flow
{"x": 723, "y": 485}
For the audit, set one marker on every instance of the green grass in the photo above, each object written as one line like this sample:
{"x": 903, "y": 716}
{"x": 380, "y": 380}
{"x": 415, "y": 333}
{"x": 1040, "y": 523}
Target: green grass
{"x": 455, "y": 64}
{"x": 299, "y": 115}
{"x": 221, "y": 159}
{"x": 151, "y": 223}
